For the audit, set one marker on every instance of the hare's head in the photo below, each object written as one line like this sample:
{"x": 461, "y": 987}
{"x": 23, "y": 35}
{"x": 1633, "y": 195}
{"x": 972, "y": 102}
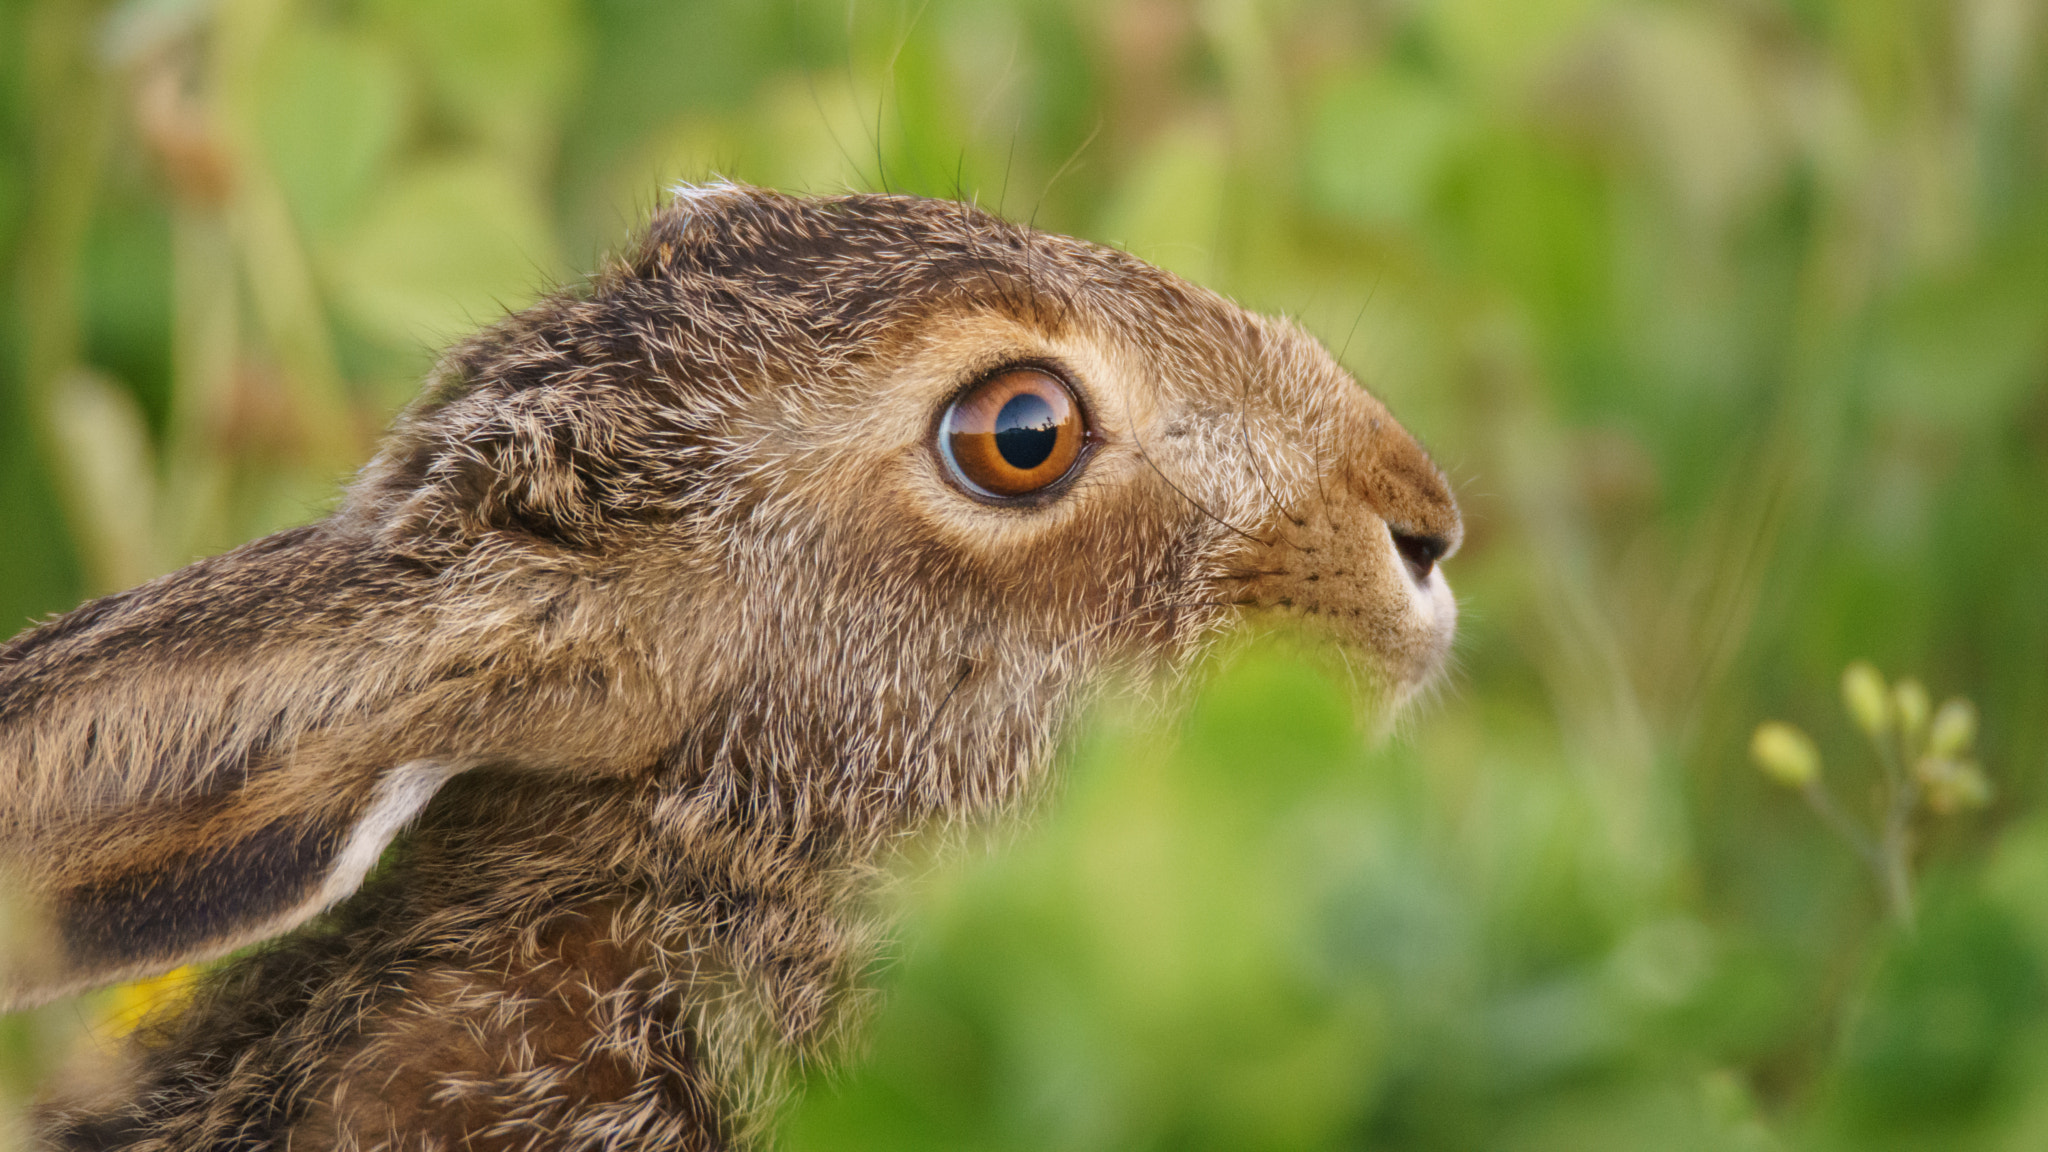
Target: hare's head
{"x": 814, "y": 513}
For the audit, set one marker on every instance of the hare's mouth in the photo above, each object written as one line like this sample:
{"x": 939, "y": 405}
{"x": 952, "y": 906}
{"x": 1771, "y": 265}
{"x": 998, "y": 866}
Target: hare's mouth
{"x": 1374, "y": 588}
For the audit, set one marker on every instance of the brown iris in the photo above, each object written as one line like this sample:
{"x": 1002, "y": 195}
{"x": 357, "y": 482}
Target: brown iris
{"x": 1013, "y": 434}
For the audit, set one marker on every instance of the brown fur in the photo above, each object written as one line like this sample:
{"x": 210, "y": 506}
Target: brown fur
{"x": 664, "y": 579}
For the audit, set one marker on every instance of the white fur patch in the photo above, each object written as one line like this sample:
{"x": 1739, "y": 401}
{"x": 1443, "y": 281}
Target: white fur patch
{"x": 693, "y": 195}
{"x": 398, "y": 798}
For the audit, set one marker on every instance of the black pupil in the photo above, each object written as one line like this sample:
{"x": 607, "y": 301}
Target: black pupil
{"x": 1026, "y": 431}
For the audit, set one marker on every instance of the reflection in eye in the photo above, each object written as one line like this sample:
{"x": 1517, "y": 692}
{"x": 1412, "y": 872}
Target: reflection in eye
{"x": 1026, "y": 431}
{"x": 1013, "y": 434}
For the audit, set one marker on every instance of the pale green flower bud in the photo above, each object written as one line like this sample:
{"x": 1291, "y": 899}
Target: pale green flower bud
{"x": 1786, "y": 754}
{"x": 1952, "y": 785}
{"x": 1910, "y": 705}
{"x": 1972, "y": 786}
{"x": 1864, "y": 693}
{"x": 1955, "y": 728}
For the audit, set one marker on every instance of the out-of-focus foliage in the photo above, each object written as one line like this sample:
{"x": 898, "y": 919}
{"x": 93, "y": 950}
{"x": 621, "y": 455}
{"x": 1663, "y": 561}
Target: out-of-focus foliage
{"x": 1730, "y": 320}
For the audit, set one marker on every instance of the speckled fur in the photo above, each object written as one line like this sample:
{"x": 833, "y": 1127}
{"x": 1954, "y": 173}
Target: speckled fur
{"x": 665, "y": 572}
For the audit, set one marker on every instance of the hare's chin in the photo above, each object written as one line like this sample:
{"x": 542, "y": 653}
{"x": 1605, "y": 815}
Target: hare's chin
{"x": 1433, "y": 623}
{"x": 1438, "y": 610}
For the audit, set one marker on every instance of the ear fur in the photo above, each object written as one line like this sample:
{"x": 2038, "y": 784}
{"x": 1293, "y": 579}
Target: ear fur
{"x": 216, "y": 756}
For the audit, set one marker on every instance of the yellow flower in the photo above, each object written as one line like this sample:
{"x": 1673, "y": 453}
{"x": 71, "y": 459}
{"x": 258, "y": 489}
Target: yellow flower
{"x": 1952, "y": 785}
{"x": 1910, "y": 704}
{"x": 132, "y": 1003}
{"x": 1955, "y": 727}
{"x": 1786, "y": 754}
{"x": 1864, "y": 693}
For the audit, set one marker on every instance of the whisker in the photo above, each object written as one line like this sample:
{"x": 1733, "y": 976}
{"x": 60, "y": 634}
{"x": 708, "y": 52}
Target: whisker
{"x": 1009, "y": 161}
{"x": 818, "y": 103}
{"x": 1157, "y": 471}
{"x": 1072, "y": 159}
{"x": 1369, "y": 294}
{"x": 853, "y": 95}
{"x": 1244, "y": 435}
{"x": 924, "y": 741}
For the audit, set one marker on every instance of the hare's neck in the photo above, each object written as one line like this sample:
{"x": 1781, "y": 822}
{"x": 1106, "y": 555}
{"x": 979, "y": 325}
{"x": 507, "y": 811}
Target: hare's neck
{"x": 539, "y": 959}
{"x": 737, "y": 943}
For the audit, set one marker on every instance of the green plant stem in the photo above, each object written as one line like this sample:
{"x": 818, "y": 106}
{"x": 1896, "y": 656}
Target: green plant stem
{"x": 70, "y": 106}
{"x": 1823, "y": 804}
{"x": 1902, "y": 795}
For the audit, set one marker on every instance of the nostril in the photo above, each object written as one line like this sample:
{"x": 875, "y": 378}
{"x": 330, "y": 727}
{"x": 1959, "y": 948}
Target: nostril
{"x": 1420, "y": 551}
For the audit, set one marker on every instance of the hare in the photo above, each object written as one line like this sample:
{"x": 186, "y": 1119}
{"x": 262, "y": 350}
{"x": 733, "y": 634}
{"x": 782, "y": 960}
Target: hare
{"x": 560, "y": 758}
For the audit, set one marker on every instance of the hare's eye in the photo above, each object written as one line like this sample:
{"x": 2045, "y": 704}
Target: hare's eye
{"x": 1013, "y": 434}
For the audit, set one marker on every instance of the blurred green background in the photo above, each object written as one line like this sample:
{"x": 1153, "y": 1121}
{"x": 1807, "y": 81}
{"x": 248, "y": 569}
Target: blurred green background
{"x": 1729, "y": 319}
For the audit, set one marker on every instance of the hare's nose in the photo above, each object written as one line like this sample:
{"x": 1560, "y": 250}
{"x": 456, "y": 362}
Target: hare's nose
{"x": 1419, "y": 550}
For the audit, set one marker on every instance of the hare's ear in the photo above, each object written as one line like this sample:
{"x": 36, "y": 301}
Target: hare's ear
{"x": 216, "y": 756}
{"x": 95, "y": 901}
